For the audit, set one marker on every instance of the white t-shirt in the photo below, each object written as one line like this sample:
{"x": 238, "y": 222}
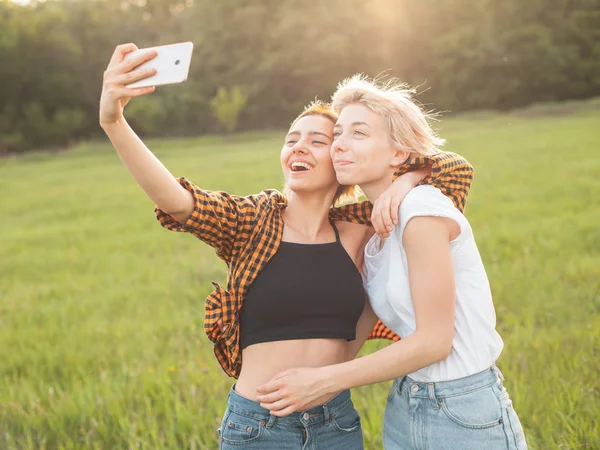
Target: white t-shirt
{"x": 476, "y": 344}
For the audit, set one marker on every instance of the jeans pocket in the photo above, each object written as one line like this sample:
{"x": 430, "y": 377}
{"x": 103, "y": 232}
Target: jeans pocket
{"x": 477, "y": 409}
{"x": 238, "y": 429}
{"x": 348, "y": 421}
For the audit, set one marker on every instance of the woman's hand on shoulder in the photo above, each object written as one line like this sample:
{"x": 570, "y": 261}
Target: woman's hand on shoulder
{"x": 385, "y": 208}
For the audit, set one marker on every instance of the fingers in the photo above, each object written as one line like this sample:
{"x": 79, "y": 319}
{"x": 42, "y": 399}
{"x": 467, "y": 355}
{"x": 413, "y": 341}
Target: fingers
{"x": 284, "y": 412}
{"x": 130, "y": 63}
{"x": 276, "y": 406}
{"x": 394, "y": 210}
{"x": 381, "y": 217}
{"x": 138, "y": 92}
{"x": 121, "y": 69}
{"x": 376, "y": 218}
{"x": 386, "y": 215}
{"x": 114, "y": 85}
{"x": 270, "y": 398}
{"x": 133, "y": 76}
{"x": 282, "y": 374}
{"x": 120, "y": 52}
{"x": 268, "y": 388}
{"x": 123, "y": 92}
{"x": 384, "y": 234}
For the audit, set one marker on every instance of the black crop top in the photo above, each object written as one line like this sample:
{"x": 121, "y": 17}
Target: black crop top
{"x": 306, "y": 291}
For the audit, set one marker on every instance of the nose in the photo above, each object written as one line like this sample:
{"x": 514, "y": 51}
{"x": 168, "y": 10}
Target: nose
{"x": 338, "y": 145}
{"x": 299, "y": 147}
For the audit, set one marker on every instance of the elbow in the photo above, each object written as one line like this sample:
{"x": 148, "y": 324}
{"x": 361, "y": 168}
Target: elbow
{"x": 437, "y": 348}
{"x": 179, "y": 208}
{"x": 443, "y": 350}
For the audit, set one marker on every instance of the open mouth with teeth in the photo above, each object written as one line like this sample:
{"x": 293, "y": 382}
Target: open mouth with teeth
{"x": 298, "y": 166}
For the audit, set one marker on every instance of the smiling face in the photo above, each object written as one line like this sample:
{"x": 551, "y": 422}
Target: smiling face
{"x": 362, "y": 151}
{"x": 380, "y": 125}
{"x": 305, "y": 159}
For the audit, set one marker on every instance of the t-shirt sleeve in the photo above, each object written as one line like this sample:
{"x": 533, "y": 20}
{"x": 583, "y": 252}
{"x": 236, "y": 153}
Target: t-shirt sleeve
{"x": 428, "y": 201}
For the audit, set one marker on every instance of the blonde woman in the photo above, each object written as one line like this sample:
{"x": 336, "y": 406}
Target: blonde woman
{"x": 426, "y": 282}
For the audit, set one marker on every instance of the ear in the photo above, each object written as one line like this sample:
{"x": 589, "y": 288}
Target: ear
{"x": 399, "y": 157}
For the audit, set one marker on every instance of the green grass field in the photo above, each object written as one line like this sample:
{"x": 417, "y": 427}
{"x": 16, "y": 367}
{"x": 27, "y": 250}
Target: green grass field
{"x": 101, "y": 338}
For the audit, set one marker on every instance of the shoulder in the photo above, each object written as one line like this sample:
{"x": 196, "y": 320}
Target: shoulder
{"x": 428, "y": 201}
{"x": 424, "y": 198}
{"x": 272, "y": 196}
{"x": 266, "y": 198}
{"x": 448, "y": 161}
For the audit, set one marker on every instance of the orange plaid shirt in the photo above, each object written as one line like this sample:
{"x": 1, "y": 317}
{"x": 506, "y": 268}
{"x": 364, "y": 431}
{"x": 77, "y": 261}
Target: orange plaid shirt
{"x": 246, "y": 231}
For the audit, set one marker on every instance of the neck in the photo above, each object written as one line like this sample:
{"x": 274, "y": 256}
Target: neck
{"x": 308, "y": 214}
{"x": 375, "y": 188}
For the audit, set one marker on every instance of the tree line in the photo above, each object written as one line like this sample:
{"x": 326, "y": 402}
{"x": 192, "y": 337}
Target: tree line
{"x": 256, "y": 64}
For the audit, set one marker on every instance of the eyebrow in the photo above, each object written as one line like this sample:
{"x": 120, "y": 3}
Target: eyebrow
{"x": 297, "y": 133}
{"x": 354, "y": 124}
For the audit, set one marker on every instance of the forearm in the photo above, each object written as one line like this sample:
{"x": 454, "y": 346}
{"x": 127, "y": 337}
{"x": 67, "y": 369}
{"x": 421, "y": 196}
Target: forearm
{"x": 416, "y": 176}
{"x": 401, "y": 358}
{"x": 152, "y": 176}
{"x": 353, "y": 347}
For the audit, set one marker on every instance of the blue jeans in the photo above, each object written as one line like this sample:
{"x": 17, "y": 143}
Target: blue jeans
{"x": 331, "y": 426}
{"x": 474, "y": 412}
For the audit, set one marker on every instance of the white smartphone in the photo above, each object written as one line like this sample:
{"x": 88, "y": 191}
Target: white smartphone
{"x": 172, "y": 64}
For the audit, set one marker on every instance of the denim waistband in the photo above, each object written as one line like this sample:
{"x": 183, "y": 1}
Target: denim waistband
{"x": 317, "y": 415}
{"x": 449, "y": 388}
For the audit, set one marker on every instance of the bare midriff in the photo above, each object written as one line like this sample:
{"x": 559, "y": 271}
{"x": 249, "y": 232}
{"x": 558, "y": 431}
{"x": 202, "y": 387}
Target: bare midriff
{"x": 261, "y": 362}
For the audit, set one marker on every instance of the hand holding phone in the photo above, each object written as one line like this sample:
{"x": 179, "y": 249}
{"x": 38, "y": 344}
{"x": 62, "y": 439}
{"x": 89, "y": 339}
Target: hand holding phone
{"x": 171, "y": 64}
{"x": 132, "y": 72}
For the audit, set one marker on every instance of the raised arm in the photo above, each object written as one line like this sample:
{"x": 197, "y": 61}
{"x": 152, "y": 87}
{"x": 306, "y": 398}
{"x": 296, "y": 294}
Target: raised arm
{"x": 150, "y": 174}
{"x": 221, "y": 220}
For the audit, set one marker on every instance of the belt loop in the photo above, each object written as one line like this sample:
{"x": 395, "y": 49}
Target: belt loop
{"x": 326, "y": 418}
{"x": 271, "y": 421}
{"x": 400, "y": 383}
{"x": 431, "y": 392}
{"x": 498, "y": 372}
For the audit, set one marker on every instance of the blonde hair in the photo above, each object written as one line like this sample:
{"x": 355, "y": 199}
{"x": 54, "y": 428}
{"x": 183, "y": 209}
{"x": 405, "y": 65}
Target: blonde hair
{"x": 345, "y": 194}
{"x": 409, "y": 126}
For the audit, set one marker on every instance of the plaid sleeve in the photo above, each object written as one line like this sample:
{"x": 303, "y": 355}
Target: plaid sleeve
{"x": 359, "y": 213}
{"x": 380, "y": 331}
{"x": 221, "y": 220}
{"x": 450, "y": 173}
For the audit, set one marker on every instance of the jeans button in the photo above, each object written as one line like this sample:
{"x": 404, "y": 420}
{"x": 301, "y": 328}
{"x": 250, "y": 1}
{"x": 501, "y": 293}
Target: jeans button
{"x": 305, "y": 416}
{"x": 414, "y": 388}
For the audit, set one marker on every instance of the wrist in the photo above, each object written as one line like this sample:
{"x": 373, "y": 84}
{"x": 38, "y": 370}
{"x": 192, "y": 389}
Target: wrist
{"x": 110, "y": 126}
{"x": 414, "y": 177}
{"x": 329, "y": 382}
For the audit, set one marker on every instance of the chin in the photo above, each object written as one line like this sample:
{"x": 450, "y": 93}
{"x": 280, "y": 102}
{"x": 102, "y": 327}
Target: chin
{"x": 298, "y": 187}
{"x": 346, "y": 179}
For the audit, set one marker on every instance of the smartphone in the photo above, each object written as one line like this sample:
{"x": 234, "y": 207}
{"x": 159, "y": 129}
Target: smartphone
{"x": 172, "y": 64}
